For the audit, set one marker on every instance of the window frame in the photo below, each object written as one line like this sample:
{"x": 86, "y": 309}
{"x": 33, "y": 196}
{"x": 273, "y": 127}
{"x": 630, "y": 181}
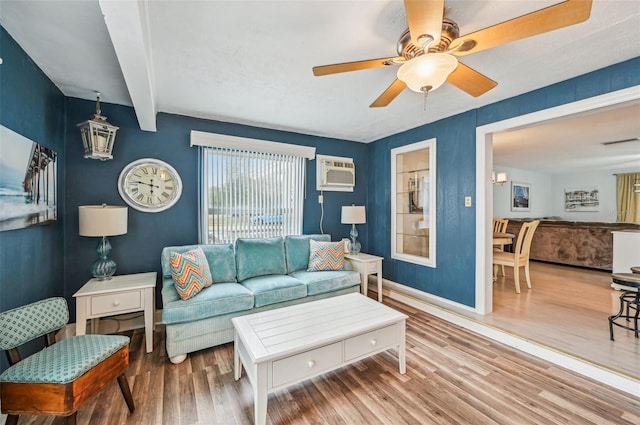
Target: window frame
{"x": 245, "y": 147}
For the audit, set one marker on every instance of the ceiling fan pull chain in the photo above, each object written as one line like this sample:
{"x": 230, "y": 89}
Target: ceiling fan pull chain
{"x": 425, "y": 90}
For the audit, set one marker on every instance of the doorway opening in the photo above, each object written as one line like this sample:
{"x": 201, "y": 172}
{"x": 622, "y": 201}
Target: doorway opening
{"x": 484, "y": 190}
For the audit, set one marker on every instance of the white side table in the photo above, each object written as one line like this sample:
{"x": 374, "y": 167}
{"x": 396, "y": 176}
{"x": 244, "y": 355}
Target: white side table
{"x": 118, "y": 295}
{"x": 367, "y": 264}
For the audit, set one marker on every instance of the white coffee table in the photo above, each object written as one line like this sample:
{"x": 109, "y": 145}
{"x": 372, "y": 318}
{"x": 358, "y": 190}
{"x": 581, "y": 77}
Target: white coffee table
{"x": 282, "y": 347}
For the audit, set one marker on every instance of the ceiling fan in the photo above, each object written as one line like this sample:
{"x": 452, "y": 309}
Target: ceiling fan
{"x": 427, "y": 50}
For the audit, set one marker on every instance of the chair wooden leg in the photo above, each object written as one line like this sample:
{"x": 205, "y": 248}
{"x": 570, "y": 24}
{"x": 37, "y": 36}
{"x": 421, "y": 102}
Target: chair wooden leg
{"x": 12, "y": 420}
{"x": 126, "y": 392}
{"x": 71, "y": 419}
{"x": 526, "y": 274}
{"x": 503, "y": 274}
{"x": 516, "y": 278}
{"x": 495, "y": 272}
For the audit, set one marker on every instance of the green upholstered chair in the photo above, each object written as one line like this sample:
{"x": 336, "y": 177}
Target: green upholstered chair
{"x": 63, "y": 376}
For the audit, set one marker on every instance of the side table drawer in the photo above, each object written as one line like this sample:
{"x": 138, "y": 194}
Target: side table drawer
{"x": 113, "y": 303}
{"x": 310, "y": 363}
{"x": 371, "y": 341}
{"x": 372, "y": 267}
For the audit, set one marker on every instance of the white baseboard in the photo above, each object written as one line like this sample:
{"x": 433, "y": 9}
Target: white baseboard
{"x": 429, "y": 304}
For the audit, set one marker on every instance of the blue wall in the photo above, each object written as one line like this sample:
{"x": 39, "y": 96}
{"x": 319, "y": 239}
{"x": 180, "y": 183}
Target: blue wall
{"x": 31, "y": 259}
{"x": 43, "y": 261}
{"x": 454, "y": 276}
{"x": 95, "y": 182}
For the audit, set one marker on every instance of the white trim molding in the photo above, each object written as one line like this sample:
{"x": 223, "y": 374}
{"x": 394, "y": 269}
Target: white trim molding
{"x": 419, "y": 300}
{"x": 214, "y": 140}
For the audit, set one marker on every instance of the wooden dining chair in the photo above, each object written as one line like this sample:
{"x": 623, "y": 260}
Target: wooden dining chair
{"x": 500, "y": 226}
{"x": 520, "y": 256}
{"x": 63, "y": 376}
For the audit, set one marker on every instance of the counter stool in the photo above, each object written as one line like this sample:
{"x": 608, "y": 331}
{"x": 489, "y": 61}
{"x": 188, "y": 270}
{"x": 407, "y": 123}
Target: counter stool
{"x": 629, "y": 301}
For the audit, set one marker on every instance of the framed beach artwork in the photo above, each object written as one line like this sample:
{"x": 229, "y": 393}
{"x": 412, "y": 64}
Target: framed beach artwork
{"x": 28, "y": 186}
{"x": 579, "y": 200}
{"x": 520, "y": 196}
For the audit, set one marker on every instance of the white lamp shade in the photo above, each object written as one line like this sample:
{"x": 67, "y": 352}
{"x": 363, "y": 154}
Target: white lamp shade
{"x": 430, "y": 69}
{"x": 102, "y": 220}
{"x": 353, "y": 215}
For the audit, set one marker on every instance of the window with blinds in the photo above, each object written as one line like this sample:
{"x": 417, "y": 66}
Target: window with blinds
{"x": 250, "y": 194}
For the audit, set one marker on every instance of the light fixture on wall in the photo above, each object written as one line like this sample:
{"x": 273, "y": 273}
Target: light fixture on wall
{"x": 499, "y": 178}
{"x": 102, "y": 221}
{"x": 427, "y": 72}
{"x": 98, "y": 135}
{"x": 353, "y": 215}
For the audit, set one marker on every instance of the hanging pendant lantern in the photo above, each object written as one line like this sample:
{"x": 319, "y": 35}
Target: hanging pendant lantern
{"x": 98, "y": 135}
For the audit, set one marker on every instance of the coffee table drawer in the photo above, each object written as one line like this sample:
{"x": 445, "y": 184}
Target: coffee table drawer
{"x": 307, "y": 364}
{"x": 113, "y": 303}
{"x": 371, "y": 341}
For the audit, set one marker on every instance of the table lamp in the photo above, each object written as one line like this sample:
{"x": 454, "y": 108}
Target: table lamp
{"x": 353, "y": 215}
{"x": 102, "y": 221}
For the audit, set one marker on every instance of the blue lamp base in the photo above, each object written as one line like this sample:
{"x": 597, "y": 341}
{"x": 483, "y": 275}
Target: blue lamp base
{"x": 104, "y": 267}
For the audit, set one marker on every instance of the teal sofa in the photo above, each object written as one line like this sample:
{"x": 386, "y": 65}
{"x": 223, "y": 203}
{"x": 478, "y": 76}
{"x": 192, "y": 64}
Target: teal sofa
{"x": 249, "y": 276}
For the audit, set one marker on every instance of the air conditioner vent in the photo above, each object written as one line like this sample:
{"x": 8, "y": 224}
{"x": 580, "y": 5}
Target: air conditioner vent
{"x": 335, "y": 173}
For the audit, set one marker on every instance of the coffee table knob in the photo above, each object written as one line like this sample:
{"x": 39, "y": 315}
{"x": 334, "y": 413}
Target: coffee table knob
{"x": 311, "y": 363}
{"x": 373, "y": 342}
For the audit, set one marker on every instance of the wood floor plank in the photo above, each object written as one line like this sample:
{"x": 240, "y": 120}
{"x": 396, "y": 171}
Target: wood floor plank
{"x": 567, "y": 309}
{"x": 453, "y": 377}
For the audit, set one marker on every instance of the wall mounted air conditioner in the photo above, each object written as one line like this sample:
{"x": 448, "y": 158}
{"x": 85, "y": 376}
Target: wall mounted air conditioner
{"x": 338, "y": 173}
{"x": 335, "y": 173}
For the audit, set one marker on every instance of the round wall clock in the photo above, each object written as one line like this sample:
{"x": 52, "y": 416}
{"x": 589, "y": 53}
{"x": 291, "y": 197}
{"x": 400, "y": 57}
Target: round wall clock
{"x": 150, "y": 185}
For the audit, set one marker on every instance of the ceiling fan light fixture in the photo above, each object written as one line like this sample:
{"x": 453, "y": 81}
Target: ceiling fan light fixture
{"x": 428, "y": 70}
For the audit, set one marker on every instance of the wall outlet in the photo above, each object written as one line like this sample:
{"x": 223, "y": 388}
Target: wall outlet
{"x": 320, "y": 199}
{"x": 467, "y": 201}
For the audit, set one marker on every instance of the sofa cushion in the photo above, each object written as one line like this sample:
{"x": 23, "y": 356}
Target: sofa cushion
{"x": 190, "y": 272}
{"x": 296, "y": 249}
{"x": 221, "y": 258}
{"x": 328, "y": 281}
{"x": 218, "y": 299}
{"x": 325, "y": 256}
{"x": 259, "y": 257}
{"x": 274, "y": 289}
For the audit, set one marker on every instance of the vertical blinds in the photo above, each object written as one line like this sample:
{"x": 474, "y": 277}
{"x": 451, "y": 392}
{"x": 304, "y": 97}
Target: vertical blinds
{"x": 250, "y": 194}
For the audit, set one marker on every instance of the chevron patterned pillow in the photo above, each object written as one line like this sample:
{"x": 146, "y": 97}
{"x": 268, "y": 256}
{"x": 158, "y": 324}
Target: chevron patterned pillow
{"x": 190, "y": 272}
{"x": 325, "y": 256}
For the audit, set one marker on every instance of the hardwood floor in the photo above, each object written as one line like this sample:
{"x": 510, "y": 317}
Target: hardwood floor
{"x": 566, "y": 309}
{"x": 453, "y": 377}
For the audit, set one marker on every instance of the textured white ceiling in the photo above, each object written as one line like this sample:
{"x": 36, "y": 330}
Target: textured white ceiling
{"x": 250, "y": 62}
{"x": 575, "y": 143}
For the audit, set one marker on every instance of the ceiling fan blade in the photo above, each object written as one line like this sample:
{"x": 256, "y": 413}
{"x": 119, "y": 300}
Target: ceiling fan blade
{"x": 389, "y": 94}
{"x": 551, "y": 18}
{"x": 470, "y": 80}
{"x": 425, "y": 19}
{"x": 357, "y": 66}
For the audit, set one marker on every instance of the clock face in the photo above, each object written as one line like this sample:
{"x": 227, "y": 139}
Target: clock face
{"x": 150, "y": 185}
